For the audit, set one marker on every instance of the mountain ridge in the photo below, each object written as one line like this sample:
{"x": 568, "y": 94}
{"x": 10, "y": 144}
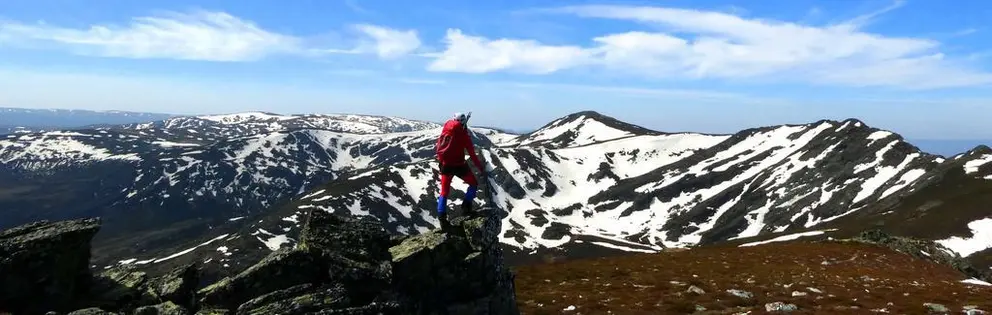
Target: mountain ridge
{"x": 623, "y": 192}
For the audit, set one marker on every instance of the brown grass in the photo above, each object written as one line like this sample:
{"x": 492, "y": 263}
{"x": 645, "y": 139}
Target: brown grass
{"x": 854, "y": 275}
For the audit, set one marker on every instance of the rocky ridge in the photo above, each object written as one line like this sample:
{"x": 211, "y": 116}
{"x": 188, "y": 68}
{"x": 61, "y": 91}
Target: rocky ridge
{"x": 342, "y": 265}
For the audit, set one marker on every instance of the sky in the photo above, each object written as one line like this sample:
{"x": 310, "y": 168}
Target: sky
{"x": 919, "y": 68}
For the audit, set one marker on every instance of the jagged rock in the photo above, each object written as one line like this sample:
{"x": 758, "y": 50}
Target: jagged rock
{"x": 213, "y": 311}
{"x": 936, "y": 308}
{"x": 91, "y": 311}
{"x": 178, "y": 286}
{"x": 341, "y": 266}
{"x": 780, "y": 307}
{"x": 362, "y": 239}
{"x": 460, "y": 272}
{"x": 356, "y": 251}
{"x": 120, "y": 287}
{"x": 124, "y": 288}
{"x": 934, "y": 252}
{"x": 280, "y": 270}
{"x": 44, "y": 265}
{"x": 350, "y": 253}
{"x": 167, "y": 308}
{"x": 297, "y": 300}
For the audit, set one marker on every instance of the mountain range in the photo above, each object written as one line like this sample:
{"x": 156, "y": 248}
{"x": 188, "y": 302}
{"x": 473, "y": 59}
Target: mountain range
{"x": 23, "y": 120}
{"x": 227, "y": 190}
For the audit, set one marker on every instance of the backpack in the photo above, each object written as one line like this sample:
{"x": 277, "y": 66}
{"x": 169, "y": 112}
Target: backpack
{"x": 446, "y": 148}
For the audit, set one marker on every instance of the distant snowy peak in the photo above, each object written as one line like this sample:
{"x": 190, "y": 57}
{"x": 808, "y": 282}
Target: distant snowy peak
{"x": 977, "y": 162}
{"x": 45, "y": 150}
{"x": 245, "y": 117}
{"x": 254, "y": 123}
{"x": 582, "y": 128}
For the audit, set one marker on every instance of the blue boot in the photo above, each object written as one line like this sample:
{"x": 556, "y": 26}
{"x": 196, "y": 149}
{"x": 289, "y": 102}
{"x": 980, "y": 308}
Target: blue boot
{"x": 442, "y": 215}
{"x": 469, "y": 197}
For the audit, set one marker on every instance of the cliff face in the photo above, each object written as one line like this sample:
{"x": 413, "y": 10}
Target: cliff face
{"x": 44, "y": 264}
{"x": 342, "y": 265}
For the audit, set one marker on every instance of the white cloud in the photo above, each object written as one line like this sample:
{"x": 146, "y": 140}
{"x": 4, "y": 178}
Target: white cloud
{"x": 710, "y": 44}
{"x": 199, "y": 35}
{"x": 473, "y": 54}
{"x": 388, "y": 43}
{"x": 212, "y": 36}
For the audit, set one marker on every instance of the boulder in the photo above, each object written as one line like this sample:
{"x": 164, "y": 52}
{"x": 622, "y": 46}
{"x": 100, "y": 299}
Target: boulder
{"x": 297, "y": 300}
{"x": 125, "y": 288}
{"x": 120, "y": 287}
{"x": 356, "y": 238}
{"x": 167, "y": 308}
{"x": 282, "y": 269}
{"x": 351, "y": 253}
{"x": 178, "y": 286}
{"x": 91, "y": 311}
{"x": 44, "y": 265}
{"x": 457, "y": 272}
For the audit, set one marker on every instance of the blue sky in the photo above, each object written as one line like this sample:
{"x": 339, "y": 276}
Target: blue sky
{"x": 920, "y": 68}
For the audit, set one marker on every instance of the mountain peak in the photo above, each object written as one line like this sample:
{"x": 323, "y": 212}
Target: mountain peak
{"x": 981, "y": 149}
{"x": 582, "y": 128}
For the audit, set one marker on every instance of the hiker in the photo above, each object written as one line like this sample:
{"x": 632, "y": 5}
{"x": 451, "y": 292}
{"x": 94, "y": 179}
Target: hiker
{"x": 451, "y": 146}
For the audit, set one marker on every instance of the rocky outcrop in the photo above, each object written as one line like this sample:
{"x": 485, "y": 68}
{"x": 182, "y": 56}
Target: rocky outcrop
{"x": 342, "y": 265}
{"x": 126, "y": 288}
{"x": 461, "y": 272}
{"x": 352, "y": 266}
{"x": 924, "y": 249}
{"x": 45, "y": 265}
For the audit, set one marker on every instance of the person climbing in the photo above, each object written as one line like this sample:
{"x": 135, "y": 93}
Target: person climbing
{"x": 451, "y": 146}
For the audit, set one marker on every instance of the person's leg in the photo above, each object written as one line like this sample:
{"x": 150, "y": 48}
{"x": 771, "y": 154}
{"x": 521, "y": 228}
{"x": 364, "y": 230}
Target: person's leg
{"x": 468, "y": 177}
{"x": 442, "y": 199}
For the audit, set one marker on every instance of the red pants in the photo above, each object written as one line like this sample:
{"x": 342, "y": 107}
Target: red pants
{"x": 461, "y": 171}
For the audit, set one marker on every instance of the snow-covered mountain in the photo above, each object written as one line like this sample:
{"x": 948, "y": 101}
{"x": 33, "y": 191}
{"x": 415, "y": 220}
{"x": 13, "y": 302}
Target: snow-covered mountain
{"x": 219, "y": 127}
{"x": 189, "y": 166}
{"x": 242, "y": 182}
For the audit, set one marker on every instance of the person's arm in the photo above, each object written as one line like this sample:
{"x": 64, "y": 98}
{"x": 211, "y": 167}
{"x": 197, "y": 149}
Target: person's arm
{"x": 467, "y": 140}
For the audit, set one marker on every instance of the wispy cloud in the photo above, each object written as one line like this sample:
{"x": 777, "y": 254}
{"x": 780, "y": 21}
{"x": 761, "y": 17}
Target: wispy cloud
{"x": 473, "y": 54}
{"x": 197, "y": 35}
{"x": 422, "y": 81}
{"x": 711, "y": 44}
{"x": 353, "y": 5}
{"x": 201, "y": 35}
{"x": 865, "y": 19}
{"x": 388, "y": 43}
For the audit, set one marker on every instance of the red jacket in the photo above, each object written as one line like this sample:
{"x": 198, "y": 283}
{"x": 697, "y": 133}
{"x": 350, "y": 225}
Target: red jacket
{"x": 453, "y": 143}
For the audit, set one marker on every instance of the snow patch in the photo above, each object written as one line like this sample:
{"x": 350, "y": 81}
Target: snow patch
{"x": 187, "y": 251}
{"x": 980, "y": 240}
{"x": 976, "y": 282}
{"x": 788, "y": 237}
{"x": 628, "y": 249}
{"x": 972, "y": 166}
{"x": 169, "y": 144}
